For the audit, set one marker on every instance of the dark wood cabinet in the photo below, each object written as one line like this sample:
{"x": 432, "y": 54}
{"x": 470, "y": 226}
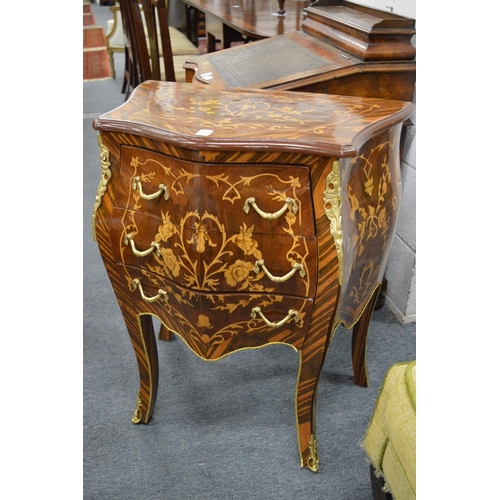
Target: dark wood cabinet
{"x": 342, "y": 48}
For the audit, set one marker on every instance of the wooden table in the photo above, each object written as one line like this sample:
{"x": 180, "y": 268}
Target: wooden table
{"x": 236, "y": 20}
{"x": 243, "y": 218}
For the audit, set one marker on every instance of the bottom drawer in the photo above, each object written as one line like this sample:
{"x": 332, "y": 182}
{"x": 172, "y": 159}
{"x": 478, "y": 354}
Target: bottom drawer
{"x": 214, "y": 325}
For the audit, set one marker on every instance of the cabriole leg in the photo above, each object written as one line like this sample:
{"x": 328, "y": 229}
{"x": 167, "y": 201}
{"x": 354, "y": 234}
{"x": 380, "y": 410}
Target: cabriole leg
{"x": 305, "y": 401}
{"x": 165, "y": 333}
{"x": 359, "y": 338}
{"x": 312, "y": 357}
{"x": 141, "y": 331}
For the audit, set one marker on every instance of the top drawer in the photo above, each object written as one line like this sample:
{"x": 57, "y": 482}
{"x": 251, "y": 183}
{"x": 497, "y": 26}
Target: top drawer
{"x": 271, "y": 198}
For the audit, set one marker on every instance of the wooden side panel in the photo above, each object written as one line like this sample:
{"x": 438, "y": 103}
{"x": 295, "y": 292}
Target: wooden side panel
{"x": 371, "y": 197}
{"x": 397, "y": 84}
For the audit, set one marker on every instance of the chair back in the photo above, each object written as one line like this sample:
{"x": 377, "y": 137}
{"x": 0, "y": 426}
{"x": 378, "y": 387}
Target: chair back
{"x": 161, "y": 17}
{"x": 141, "y": 23}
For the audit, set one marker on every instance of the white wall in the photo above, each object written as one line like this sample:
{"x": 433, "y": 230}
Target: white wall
{"x": 402, "y": 266}
{"x": 400, "y": 7}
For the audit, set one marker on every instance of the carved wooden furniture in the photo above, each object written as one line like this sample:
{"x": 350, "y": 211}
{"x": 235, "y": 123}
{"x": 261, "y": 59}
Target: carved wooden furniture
{"x": 342, "y": 48}
{"x": 180, "y": 44}
{"x": 242, "y": 218}
{"x": 246, "y": 19}
{"x": 154, "y": 50}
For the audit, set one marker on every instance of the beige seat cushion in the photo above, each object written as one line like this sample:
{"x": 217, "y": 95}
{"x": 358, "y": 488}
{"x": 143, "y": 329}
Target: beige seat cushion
{"x": 182, "y": 48}
{"x": 181, "y": 45}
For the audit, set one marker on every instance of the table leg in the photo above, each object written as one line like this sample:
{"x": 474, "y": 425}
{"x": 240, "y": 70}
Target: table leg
{"x": 188, "y": 23}
{"x": 141, "y": 331}
{"x": 227, "y": 36}
{"x": 311, "y": 362}
{"x": 165, "y": 333}
{"x": 359, "y": 338}
{"x": 210, "y": 43}
{"x": 314, "y": 349}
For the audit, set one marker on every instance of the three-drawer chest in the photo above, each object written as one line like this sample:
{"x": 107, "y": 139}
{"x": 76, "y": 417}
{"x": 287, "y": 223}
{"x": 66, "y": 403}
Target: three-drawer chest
{"x": 244, "y": 218}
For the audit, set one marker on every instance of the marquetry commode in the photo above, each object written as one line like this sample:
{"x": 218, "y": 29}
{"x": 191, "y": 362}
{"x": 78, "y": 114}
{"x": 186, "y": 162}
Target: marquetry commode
{"x": 245, "y": 218}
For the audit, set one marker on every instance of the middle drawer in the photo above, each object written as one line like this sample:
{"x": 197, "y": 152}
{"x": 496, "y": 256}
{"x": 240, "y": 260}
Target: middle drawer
{"x": 215, "y": 261}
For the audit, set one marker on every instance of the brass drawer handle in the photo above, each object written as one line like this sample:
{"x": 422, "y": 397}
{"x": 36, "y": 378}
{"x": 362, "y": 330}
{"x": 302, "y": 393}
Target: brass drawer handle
{"x": 137, "y": 184}
{"x": 129, "y": 238}
{"x": 288, "y": 202}
{"x": 291, "y": 313}
{"x": 161, "y": 293}
{"x": 279, "y": 279}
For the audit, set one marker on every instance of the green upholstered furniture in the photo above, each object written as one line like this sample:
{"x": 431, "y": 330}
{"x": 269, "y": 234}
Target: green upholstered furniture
{"x": 390, "y": 440}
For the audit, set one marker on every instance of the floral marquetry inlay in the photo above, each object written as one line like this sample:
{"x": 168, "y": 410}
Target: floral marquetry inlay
{"x": 280, "y": 120}
{"x": 237, "y": 273}
{"x": 218, "y": 249}
{"x": 201, "y": 332}
{"x": 371, "y": 206}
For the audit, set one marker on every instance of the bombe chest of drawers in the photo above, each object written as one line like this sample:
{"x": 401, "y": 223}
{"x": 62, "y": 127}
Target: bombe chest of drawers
{"x": 242, "y": 218}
